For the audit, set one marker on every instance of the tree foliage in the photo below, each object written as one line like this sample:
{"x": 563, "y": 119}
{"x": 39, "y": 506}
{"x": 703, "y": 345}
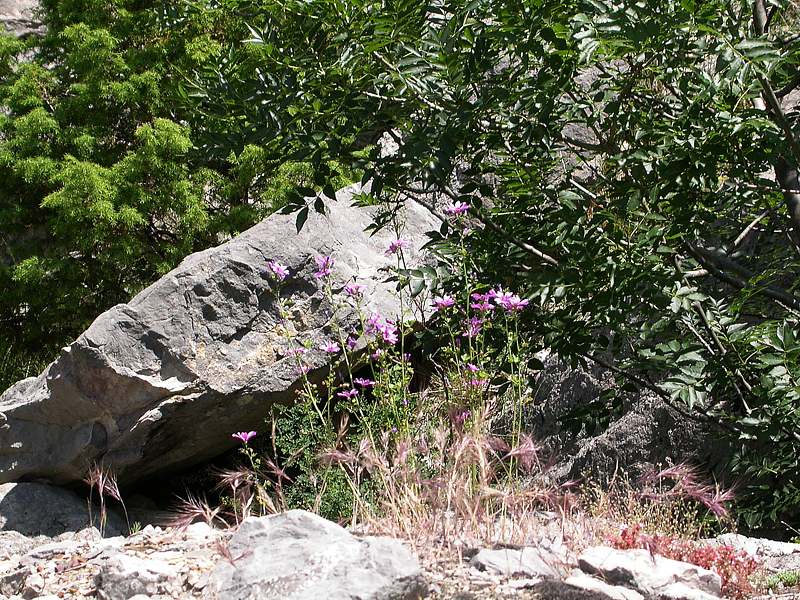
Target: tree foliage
{"x": 631, "y": 166}
{"x": 104, "y": 184}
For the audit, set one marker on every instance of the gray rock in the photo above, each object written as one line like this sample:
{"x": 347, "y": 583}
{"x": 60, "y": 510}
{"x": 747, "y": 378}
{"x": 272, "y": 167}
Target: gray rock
{"x": 160, "y": 383}
{"x": 19, "y": 17}
{"x": 302, "y": 556}
{"x": 13, "y": 582}
{"x": 651, "y": 574}
{"x": 39, "y": 509}
{"x": 592, "y": 584}
{"x": 13, "y": 543}
{"x": 648, "y": 434}
{"x": 524, "y": 562}
{"x": 49, "y": 551}
{"x": 757, "y": 547}
{"x": 553, "y": 589}
{"x": 125, "y": 576}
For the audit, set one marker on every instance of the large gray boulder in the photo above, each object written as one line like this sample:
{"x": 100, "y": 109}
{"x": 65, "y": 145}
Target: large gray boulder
{"x": 302, "y": 556}
{"x": 651, "y": 574}
{"x": 160, "y": 383}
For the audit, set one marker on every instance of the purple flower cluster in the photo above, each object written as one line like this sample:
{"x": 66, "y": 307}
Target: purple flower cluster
{"x": 385, "y": 327}
{"x": 480, "y": 302}
{"x": 329, "y": 347}
{"x": 457, "y": 208}
{"x": 324, "y": 266}
{"x": 354, "y": 290}
{"x": 442, "y": 303}
{"x": 509, "y": 301}
{"x": 396, "y": 246}
{"x": 280, "y": 271}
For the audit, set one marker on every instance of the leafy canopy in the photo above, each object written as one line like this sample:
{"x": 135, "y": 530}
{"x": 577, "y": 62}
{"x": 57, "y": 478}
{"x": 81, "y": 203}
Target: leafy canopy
{"x": 631, "y": 166}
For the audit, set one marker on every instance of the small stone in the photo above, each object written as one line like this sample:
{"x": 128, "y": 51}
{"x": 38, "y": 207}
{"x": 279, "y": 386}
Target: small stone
{"x": 681, "y": 591}
{"x": 527, "y": 562}
{"x": 11, "y": 583}
{"x": 124, "y": 576}
{"x": 48, "y": 551}
{"x": 34, "y": 585}
{"x": 198, "y": 532}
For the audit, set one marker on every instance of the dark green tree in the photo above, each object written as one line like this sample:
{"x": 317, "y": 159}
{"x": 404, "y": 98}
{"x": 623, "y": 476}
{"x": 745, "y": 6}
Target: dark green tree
{"x": 107, "y": 178}
{"x": 632, "y": 168}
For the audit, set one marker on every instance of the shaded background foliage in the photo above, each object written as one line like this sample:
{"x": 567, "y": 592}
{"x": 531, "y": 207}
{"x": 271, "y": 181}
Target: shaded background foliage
{"x": 632, "y": 168}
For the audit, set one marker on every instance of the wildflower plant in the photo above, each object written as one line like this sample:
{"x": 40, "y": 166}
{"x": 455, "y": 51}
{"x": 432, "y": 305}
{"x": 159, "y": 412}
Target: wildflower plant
{"x": 365, "y": 442}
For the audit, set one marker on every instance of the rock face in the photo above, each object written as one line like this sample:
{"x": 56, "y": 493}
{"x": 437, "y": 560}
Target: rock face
{"x": 161, "y": 382}
{"x": 34, "y": 509}
{"x": 18, "y": 17}
{"x": 302, "y": 556}
{"x": 648, "y": 434}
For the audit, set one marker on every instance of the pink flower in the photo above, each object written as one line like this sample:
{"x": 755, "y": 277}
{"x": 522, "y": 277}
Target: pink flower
{"x": 474, "y": 327}
{"x": 477, "y": 382}
{"x": 244, "y": 436}
{"x": 482, "y": 306}
{"x": 396, "y": 246}
{"x": 510, "y": 302}
{"x": 355, "y": 290}
{"x": 443, "y": 302}
{"x": 324, "y": 266}
{"x": 472, "y": 368}
{"x": 351, "y": 343}
{"x": 515, "y": 303}
{"x": 385, "y": 327}
{"x": 280, "y": 271}
{"x": 329, "y": 347}
{"x": 377, "y": 354}
{"x": 365, "y": 383}
{"x": 495, "y": 293}
{"x": 457, "y": 208}
{"x": 351, "y": 393}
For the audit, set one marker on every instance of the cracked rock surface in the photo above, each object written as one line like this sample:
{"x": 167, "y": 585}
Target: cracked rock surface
{"x": 160, "y": 383}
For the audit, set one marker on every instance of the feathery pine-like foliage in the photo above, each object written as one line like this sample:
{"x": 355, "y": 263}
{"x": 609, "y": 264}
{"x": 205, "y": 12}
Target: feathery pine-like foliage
{"x": 103, "y": 186}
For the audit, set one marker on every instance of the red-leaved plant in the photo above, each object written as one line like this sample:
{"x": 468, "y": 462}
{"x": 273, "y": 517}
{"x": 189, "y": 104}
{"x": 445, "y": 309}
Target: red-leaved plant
{"x": 735, "y": 567}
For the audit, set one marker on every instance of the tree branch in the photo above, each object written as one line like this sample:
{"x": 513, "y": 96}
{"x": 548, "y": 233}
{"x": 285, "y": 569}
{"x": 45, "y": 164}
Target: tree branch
{"x": 789, "y": 87}
{"x": 697, "y": 414}
{"x": 491, "y": 225}
{"x": 717, "y": 263}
